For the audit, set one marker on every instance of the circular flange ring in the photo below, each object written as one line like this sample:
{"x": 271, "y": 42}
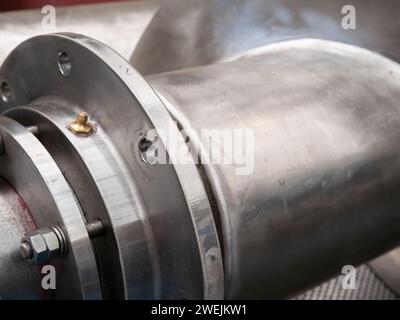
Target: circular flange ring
{"x": 97, "y": 177}
{"x": 29, "y": 168}
{"x": 118, "y": 98}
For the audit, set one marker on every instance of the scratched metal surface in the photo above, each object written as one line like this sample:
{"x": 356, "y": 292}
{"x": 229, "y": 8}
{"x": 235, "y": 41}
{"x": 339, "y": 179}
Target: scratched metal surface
{"x": 213, "y": 34}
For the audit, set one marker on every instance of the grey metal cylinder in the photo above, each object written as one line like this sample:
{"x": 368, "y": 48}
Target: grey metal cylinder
{"x": 324, "y": 189}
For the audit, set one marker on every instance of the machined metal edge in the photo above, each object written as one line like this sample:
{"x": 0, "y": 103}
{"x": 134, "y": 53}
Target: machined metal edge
{"x": 108, "y": 195}
{"x": 192, "y": 186}
{"x": 27, "y": 165}
{"x": 190, "y": 181}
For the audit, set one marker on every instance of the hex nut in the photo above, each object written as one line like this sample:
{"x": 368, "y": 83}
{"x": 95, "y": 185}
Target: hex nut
{"x": 38, "y": 246}
{"x": 44, "y": 245}
{"x": 52, "y": 243}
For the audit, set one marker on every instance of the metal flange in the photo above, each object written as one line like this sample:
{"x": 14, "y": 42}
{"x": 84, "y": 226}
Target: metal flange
{"x": 168, "y": 239}
{"x": 30, "y": 169}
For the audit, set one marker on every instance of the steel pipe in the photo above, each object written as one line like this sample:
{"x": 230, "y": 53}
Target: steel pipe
{"x": 325, "y": 118}
{"x": 310, "y": 185}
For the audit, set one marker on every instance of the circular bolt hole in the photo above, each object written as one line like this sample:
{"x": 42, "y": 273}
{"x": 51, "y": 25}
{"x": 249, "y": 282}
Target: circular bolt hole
{"x": 148, "y": 156}
{"x": 64, "y": 63}
{"x": 144, "y": 145}
{"x": 5, "y": 92}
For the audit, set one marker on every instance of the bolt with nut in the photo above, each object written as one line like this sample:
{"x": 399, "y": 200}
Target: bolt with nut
{"x": 43, "y": 245}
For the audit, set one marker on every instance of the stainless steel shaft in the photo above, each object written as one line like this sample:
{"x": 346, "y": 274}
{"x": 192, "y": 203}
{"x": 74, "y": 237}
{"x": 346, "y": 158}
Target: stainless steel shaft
{"x": 323, "y": 192}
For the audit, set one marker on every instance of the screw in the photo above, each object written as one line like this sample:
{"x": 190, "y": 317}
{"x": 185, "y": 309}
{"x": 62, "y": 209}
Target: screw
{"x": 61, "y": 239}
{"x": 34, "y": 130}
{"x": 26, "y": 250}
{"x": 95, "y": 228}
{"x": 81, "y": 125}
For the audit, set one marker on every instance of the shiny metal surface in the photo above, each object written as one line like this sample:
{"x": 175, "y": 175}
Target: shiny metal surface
{"x": 325, "y": 117}
{"x": 42, "y": 179}
{"x": 122, "y": 104}
{"x": 387, "y": 267}
{"x": 150, "y": 33}
{"x": 188, "y": 33}
{"x": 98, "y": 178}
{"x": 323, "y": 191}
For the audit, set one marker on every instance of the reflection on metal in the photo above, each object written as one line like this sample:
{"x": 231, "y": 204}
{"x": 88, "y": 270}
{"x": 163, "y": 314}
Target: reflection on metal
{"x": 188, "y": 33}
{"x": 387, "y": 267}
{"x": 320, "y": 192}
{"x": 311, "y": 181}
{"x": 57, "y": 205}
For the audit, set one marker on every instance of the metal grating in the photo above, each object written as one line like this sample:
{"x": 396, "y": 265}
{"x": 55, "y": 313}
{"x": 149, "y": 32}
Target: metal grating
{"x": 369, "y": 287}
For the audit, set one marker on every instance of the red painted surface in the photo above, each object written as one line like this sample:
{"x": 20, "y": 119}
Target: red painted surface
{"x": 30, "y": 4}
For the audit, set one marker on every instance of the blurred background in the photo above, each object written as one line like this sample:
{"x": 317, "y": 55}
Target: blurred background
{"x": 30, "y": 4}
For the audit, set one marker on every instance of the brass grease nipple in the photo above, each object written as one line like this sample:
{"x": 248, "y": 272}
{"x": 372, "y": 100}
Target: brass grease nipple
{"x": 81, "y": 125}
